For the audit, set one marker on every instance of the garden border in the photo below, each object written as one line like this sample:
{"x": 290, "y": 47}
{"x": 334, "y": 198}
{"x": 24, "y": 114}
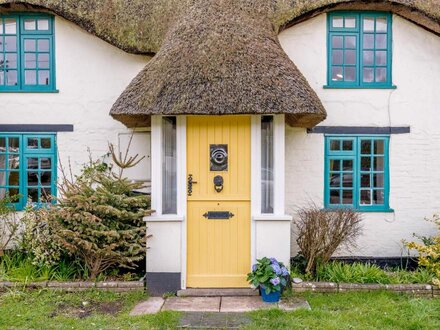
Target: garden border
{"x": 115, "y": 286}
{"x": 324, "y": 287}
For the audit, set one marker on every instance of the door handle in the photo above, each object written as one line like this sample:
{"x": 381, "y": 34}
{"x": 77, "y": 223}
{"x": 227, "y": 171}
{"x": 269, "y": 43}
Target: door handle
{"x": 190, "y": 184}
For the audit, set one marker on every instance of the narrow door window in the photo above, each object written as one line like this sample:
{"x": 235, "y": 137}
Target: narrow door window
{"x": 169, "y": 166}
{"x": 267, "y": 159}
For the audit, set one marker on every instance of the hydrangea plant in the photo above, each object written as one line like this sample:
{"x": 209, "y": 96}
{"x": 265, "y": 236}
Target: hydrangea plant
{"x": 269, "y": 275}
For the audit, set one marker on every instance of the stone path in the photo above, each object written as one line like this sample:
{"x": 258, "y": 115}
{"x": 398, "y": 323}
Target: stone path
{"x": 239, "y": 304}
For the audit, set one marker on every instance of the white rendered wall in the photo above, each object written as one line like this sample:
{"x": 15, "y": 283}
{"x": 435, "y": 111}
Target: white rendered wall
{"x": 90, "y": 75}
{"x": 414, "y": 157}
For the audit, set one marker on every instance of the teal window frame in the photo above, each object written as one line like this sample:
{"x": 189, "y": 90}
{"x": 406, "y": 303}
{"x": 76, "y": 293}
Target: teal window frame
{"x": 358, "y": 32}
{"x": 356, "y": 155}
{"x": 21, "y": 35}
{"x": 26, "y": 155}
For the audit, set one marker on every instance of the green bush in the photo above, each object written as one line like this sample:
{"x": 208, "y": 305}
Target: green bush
{"x": 368, "y": 273}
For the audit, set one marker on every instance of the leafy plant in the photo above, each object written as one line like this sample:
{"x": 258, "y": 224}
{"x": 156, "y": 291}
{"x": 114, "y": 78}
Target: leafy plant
{"x": 429, "y": 251}
{"x": 320, "y": 233}
{"x": 9, "y": 224}
{"x": 352, "y": 273}
{"x": 268, "y": 274}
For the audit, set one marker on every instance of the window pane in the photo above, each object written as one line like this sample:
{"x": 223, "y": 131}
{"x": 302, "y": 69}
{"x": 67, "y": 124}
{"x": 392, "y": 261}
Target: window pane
{"x": 43, "y": 61}
{"x": 45, "y": 163}
{"x": 379, "y": 147}
{"x": 337, "y": 73}
{"x": 14, "y": 162}
{"x": 350, "y": 22}
{"x": 378, "y": 180}
{"x": 347, "y": 197}
{"x": 43, "y": 24}
{"x": 368, "y": 24}
{"x": 350, "y": 57}
{"x": 347, "y": 180}
{"x": 169, "y": 166}
{"x": 381, "y": 74}
{"x": 2, "y": 190}
{"x": 337, "y": 41}
{"x": 350, "y": 74}
{"x": 378, "y": 163}
{"x": 366, "y": 147}
{"x": 46, "y": 178}
{"x": 381, "y": 24}
{"x": 365, "y": 181}
{"x": 2, "y": 144}
{"x": 378, "y": 197}
{"x": 350, "y": 42}
{"x": 11, "y": 60}
{"x": 338, "y": 22}
{"x": 33, "y": 195}
{"x": 267, "y": 168}
{"x": 347, "y": 145}
{"x": 334, "y": 197}
{"x": 43, "y": 45}
{"x": 11, "y": 78}
{"x": 11, "y": 44}
{"x": 335, "y": 145}
{"x": 45, "y": 194}
{"x": 30, "y": 45}
{"x": 365, "y": 163}
{"x": 335, "y": 180}
{"x": 43, "y": 77}
{"x": 33, "y": 179}
{"x": 30, "y": 77}
{"x": 32, "y": 163}
{"x": 30, "y": 61}
{"x": 368, "y": 75}
{"x": 30, "y": 24}
{"x": 381, "y": 41}
{"x": 32, "y": 143}
{"x": 2, "y": 77}
{"x": 365, "y": 197}
{"x": 10, "y": 26}
{"x": 381, "y": 57}
{"x": 337, "y": 57}
{"x": 46, "y": 143}
{"x": 368, "y": 41}
{"x": 347, "y": 165}
{"x": 335, "y": 165}
{"x": 368, "y": 57}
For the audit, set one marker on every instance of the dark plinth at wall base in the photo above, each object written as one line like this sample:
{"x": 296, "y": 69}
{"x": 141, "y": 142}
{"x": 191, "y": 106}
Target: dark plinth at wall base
{"x": 160, "y": 283}
{"x": 359, "y": 130}
{"x": 35, "y": 128}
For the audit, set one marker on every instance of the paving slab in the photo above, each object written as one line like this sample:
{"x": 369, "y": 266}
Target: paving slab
{"x": 150, "y": 306}
{"x": 293, "y": 304}
{"x": 192, "y": 304}
{"x": 244, "y": 304}
{"x": 197, "y": 320}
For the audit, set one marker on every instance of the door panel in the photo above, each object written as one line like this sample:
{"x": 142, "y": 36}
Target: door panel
{"x": 218, "y": 249}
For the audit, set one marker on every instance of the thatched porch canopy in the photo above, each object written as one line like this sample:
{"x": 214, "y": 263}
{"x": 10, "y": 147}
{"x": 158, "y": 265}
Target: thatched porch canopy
{"x": 214, "y": 56}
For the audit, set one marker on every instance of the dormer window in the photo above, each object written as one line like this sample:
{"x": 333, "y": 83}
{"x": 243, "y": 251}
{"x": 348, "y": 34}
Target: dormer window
{"x": 359, "y": 50}
{"x": 27, "y": 53}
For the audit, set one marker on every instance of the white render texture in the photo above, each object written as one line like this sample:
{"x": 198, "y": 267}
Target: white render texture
{"x": 414, "y": 157}
{"x": 90, "y": 75}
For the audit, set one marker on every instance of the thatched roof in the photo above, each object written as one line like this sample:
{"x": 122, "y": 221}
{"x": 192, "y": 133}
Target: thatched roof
{"x": 214, "y": 56}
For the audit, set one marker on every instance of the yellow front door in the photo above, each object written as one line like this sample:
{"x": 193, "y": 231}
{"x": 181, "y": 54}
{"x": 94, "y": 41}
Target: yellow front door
{"x": 218, "y": 165}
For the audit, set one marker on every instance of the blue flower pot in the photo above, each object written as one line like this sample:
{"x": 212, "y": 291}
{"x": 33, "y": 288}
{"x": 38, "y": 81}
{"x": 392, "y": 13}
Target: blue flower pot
{"x": 272, "y": 297}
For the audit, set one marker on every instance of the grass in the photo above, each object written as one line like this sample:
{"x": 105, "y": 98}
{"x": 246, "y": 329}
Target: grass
{"x": 106, "y": 310}
{"x": 340, "y": 272}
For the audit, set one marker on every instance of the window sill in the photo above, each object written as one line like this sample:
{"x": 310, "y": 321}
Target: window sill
{"x": 359, "y": 87}
{"x": 361, "y": 210}
{"x": 52, "y": 91}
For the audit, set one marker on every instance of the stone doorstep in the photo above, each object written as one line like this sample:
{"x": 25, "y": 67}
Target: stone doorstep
{"x": 239, "y": 304}
{"x": 215, "y": 292}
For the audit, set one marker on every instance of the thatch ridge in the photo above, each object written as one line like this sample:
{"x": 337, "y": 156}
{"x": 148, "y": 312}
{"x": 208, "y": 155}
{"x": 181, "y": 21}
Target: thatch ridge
{"x": 140, "y": 26}
{"x": 221, "y": 60}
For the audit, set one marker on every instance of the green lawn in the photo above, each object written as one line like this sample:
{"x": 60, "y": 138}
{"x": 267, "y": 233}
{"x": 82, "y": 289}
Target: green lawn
{"x": 106, "y": 310}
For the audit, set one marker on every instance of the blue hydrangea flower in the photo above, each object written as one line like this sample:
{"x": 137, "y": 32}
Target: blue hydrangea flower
{"x": 274, "y": 261}
{"x": 284, "y": 271}
{"x": 276, "y": 268}
{"x": 254, "y": 267}
{"x": 275, "y": 281}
